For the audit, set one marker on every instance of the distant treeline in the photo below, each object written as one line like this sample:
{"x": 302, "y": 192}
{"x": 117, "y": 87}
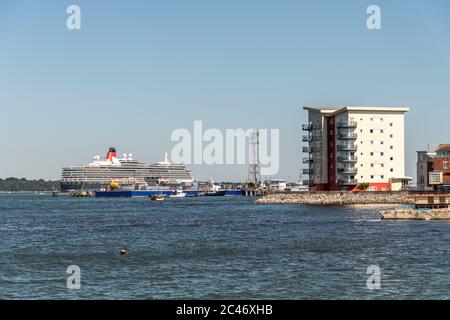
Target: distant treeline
{"x": 16, "y": 184}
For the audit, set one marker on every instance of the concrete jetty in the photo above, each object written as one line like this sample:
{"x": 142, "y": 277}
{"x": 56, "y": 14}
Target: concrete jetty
{"x": 336, "y": 198}
{"x": 414, "y": 214}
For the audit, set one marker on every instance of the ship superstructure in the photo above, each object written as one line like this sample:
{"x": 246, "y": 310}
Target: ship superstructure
{"x": 112, "y": 168}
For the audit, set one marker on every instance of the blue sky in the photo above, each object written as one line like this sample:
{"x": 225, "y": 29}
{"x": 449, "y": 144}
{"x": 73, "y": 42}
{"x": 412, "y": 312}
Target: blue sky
{"x": 137, "y": 70}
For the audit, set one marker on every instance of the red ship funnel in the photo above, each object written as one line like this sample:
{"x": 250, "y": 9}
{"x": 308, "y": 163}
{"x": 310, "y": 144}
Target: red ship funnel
{"x": 111, "y": 153}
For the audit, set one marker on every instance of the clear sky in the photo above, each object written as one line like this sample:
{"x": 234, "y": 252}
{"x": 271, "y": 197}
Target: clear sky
{"x": 137, "y": 70}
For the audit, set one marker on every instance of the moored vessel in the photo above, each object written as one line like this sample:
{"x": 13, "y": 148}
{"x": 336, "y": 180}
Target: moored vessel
{"x": 100, "y": 172}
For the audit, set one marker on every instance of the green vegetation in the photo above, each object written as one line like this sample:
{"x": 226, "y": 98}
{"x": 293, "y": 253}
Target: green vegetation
{"x": 16, "y": 184}
{"x": 364, "y": 186}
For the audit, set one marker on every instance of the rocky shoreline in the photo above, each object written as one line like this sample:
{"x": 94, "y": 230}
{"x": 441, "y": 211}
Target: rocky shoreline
{"x": 336, "y": 198}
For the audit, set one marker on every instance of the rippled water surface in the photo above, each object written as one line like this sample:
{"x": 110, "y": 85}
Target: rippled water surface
{"x": 214, "y": 248}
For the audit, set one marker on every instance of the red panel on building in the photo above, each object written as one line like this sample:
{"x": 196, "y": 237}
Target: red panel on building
{"x": 331, "y": 153}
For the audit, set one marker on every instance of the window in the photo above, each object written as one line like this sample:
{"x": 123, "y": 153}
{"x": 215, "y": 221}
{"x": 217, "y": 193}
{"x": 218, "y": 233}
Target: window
{"x": 392, "y": 147}
{"x": 391, "y": 124}
{"x": 377, "y": 154}
{"x": 392, "y": 158}
{"x": 392, "y": 170}
{"x": 391, "y": 135}
{"x": 445, "y": 165}
{"x": 435, "y": 177}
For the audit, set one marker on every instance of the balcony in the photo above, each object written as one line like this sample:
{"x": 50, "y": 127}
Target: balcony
{"x": 347, "y": 124}
{"x": 307, "y": 138}
{"x": 307, "y": 160}
{"x": 308, "y": 171}
{"x": 347, "y": 136}
{"x": 351, "y": 159}
{"x": 347, "y": 147}
{"x": 348, "y": 182}
{"x": 347, "y": 170}
{"x": 307, "y": 127}
{"x": 308, "y": 149}
{"x": 308, "y": 182}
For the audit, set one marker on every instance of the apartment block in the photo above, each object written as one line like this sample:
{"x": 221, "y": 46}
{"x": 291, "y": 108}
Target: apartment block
{"x": 355, "y": 148}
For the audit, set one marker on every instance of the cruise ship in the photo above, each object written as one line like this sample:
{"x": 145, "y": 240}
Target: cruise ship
{"x": 101, "y": 172}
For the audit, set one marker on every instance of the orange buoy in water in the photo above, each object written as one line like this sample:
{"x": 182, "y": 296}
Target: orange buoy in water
{"x": 123, "y": 251}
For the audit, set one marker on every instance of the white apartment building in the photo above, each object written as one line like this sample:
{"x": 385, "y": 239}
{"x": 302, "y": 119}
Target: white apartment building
{"x": 355, "y": 148}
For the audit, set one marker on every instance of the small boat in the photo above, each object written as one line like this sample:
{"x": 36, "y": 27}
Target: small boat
{"x": 178, "y": 194}
{"x": 217, "y": 193}
{"x": 157, "y": 197}
{"x": 215, "y": 190}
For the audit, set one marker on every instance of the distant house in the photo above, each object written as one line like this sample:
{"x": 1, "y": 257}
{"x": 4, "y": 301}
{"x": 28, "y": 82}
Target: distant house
{"x": 424, "y": 167}
{"x": 439, "y": 177}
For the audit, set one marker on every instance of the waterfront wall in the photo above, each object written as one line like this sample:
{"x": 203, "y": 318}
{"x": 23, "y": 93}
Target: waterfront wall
{"x": 336, "y": 198}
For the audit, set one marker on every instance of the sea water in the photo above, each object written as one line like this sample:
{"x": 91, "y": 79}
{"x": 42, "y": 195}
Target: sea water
{"x": 214, "y": 248}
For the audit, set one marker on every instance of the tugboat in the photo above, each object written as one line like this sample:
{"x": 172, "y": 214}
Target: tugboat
{"x": 426, "y": 207}
{"x": 215, "y": 190}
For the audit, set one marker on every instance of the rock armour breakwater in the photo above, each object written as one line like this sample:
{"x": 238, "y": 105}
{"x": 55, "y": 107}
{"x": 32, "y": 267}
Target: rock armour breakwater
{"x": 336, "y": 198}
